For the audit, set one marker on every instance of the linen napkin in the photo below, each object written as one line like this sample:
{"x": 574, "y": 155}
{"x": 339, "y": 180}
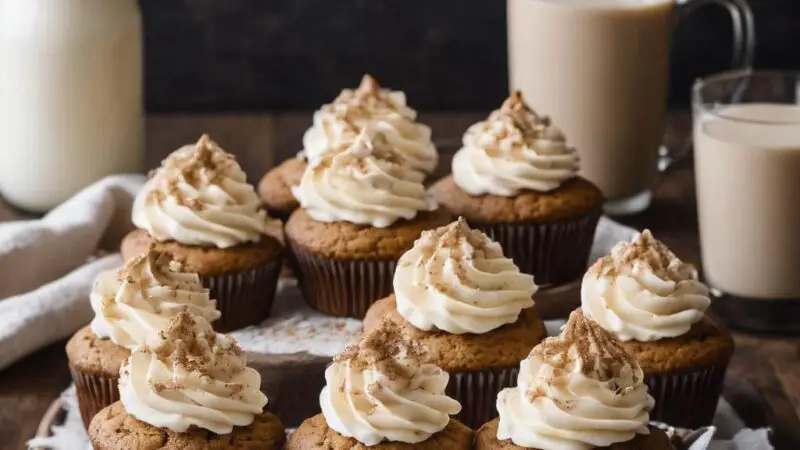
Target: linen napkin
{"x": 48, "y": 265}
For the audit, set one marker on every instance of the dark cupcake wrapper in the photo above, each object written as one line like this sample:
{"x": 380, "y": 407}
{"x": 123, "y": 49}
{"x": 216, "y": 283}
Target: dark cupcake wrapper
{"x": 477, "y": 393}
{"x": 687, "y": 399}
{"x": 555, "y": 253}
{"x": 244, "y": 298}
{"x": 342, "y": 288}
{"x": 94, "y": 393}
{"x": 281, "y": 215}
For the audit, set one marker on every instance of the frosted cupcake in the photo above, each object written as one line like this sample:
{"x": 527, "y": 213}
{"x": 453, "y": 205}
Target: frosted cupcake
{"x": 517, "y": 179}
{"x": 653, "y": 302}
{"x": 471, "y": 307}
{"x": 129, "y": 303}
{"x": 580, "y": 390}
{"x": 199, "y": 208}
{"x": 187, "y": 387}
{"x": 362, "y": 208}
{"x": 383, "y": 394}
{"x": 338, "y": 124}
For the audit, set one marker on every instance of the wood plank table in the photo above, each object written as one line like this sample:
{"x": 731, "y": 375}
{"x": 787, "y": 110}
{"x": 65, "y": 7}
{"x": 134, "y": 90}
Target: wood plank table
{"x": 764, "y": 379}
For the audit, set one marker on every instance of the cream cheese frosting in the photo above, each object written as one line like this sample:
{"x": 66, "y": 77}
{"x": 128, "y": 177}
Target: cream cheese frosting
{"x": 200, "y": 196}
{"x": 187, "y": 375}
{"x": 457, "y": 279}
{"x": 643, "y": 292}
{"x": 366, "y": 183}
{"x": 382, "y": 389}
{"x": 140, "y": 298}
{"x": 577, "y": 391}
{"x": 339, "y": 123}
{"x": 512, "y": 151}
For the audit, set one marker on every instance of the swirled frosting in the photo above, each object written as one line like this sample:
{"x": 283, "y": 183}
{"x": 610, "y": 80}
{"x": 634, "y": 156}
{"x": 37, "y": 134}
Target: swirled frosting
{"x": 643, "y": 292}
{"x": 456, "y": 279}
{"x": 188, "y": 375}
{"x": 200, "y": 196}
{"x": 512, "y": 151}
{"x": 366, "y": 183}
{"x": 577, "y": 391}
{"x": 140, "y": 298}
{"x": 339, "y": 123}
{"x": 381, "y": 389}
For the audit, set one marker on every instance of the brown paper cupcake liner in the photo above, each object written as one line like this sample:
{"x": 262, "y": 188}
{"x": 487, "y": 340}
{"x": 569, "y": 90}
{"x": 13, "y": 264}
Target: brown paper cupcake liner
{"x": 94, "y": 393}
{"x": 687, "y": 400}
{"x": 477, "y": 393}
{"x": 244, "y": 298}
{"x": 555, "y": 253}
{"x": 342, "y": 288}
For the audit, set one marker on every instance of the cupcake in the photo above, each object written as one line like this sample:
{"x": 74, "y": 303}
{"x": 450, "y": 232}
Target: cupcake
{"x": 337, "y": 125}
{"x": 362, "y": 208}
{"x": 383, "y": 394}
{"x": 275, "y": 188}
{"x": 579, "y": 390}
{"x": 654, "y": 303}
{"x": 516, "y": 179}
{"x": 187, "y": 387}
{"x": 199, "y": 208}
{"x": 129, "y": 303}
{"x": 471, "y": 307}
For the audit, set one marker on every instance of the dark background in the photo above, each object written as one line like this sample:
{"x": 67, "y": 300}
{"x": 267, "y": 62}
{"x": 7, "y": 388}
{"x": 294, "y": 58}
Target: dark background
{"x": 204, "y": 55}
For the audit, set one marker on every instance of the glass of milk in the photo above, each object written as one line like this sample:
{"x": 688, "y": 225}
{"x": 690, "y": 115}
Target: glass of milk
{"x": 747, "y": 162}
{"x": 71, "y": 90}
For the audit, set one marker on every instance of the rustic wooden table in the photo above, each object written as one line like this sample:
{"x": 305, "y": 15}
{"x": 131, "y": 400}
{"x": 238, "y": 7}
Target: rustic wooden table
{"x": 764, "y": 378}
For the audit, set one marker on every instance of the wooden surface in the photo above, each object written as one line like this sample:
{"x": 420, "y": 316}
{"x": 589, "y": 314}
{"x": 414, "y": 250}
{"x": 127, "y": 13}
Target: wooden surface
{"x": 763, "y": 382}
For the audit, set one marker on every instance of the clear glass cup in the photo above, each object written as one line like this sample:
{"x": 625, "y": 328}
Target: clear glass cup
{"x": 600, "y": 68}
{"x": 747, "y": 163}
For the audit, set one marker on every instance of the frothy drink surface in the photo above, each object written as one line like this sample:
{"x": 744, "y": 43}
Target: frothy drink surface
{"x": 599, "y": 69}
{"x": 748, "y": 193}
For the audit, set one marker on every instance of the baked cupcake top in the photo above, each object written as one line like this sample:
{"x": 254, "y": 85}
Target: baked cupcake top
{"x": 457, "y": 280}
{"x": 643, "y": 292}
{"x": 187, "y": 375}
{"x": 365, "y": 183}
{"x": 340, "y": 122}
{"x": 579, "y": 390}
{"x": 200, "y": 196}
{"x": 139, "y": 298}
{"x": 512, "y": 151}
{"x": 382, "y": 389}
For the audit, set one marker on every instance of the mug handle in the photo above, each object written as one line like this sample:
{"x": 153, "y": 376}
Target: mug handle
{"x": 744, "y": 44}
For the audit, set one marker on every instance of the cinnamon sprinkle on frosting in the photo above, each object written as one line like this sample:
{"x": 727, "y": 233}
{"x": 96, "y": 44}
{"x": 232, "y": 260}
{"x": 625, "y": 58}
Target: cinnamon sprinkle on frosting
{"x": 352, "y": 156}
{"x": 382, "y": 348}
{"x": 585, "y": 344}
{"x": 368, "y": 84}
{"x": 519, "y": 127}
{"x": 191, "y": 344}
{"x": 648, "y": 252}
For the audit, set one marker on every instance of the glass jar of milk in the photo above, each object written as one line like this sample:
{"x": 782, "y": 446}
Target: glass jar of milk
{"x": 70, "y": 96}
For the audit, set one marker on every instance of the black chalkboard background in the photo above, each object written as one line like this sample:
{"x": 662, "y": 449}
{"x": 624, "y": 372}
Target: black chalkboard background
{"x": 204, "y": 55}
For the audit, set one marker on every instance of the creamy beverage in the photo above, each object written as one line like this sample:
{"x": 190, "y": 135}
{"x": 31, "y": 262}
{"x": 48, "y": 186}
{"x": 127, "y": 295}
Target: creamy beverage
{"x": 747, "y": 162}
{"x": 71, "y": 90}
{"x": 599, "y": 68}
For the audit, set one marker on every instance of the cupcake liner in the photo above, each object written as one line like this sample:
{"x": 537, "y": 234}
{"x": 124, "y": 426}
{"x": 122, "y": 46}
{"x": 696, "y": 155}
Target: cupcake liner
{"x": 244, "y": 298}
{"x": 477, "y": 393}
{"x": 94, "y": 393}
{"x": 687, "y": 399}
{"x": 555, "y": 253}
{"x": 342, "y": 288}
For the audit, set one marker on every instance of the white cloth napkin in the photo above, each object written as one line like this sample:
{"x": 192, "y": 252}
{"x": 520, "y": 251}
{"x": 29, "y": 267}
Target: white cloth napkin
{"x": 47, "y": 266}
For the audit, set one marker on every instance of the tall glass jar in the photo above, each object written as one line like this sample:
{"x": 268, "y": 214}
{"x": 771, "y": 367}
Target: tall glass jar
{"x": 70, "y": 96}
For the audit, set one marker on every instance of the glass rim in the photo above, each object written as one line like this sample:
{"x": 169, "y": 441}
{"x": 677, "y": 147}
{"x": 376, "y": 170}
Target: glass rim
{"x": 740, "y": 74}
